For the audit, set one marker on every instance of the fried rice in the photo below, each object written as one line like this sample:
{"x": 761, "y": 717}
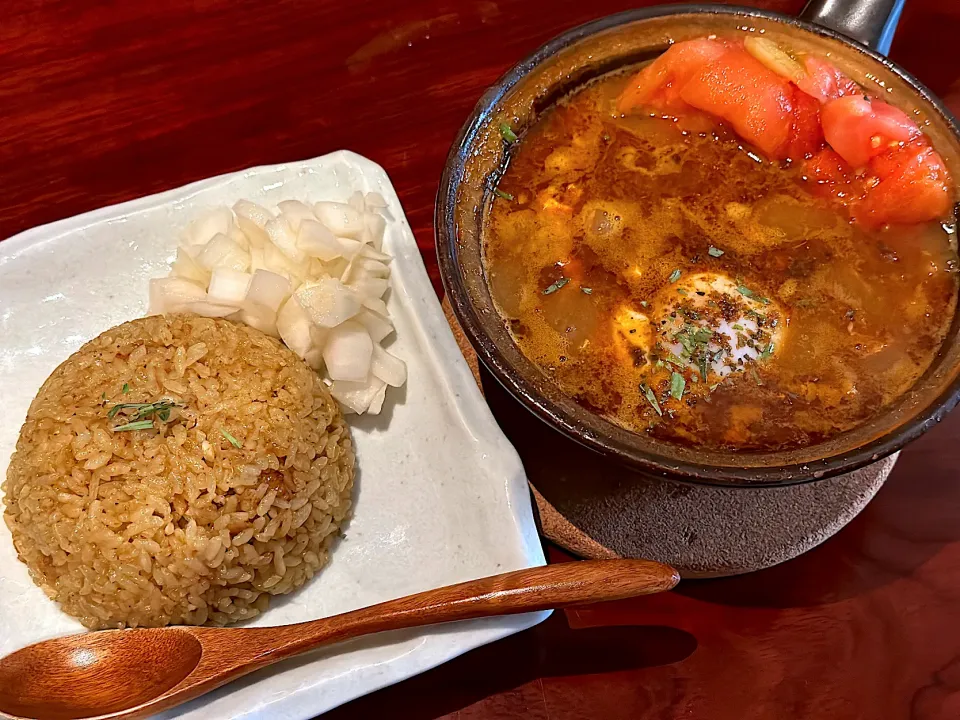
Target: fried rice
{"x": 234, "y": 492}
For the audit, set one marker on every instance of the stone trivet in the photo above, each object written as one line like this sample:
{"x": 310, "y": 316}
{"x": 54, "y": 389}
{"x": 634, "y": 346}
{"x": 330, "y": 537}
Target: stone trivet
{"x": 598, "y": 509}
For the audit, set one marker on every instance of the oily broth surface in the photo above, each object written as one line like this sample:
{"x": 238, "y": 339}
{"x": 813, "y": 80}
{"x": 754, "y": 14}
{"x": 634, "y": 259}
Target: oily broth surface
{"x": 606, "y": 210}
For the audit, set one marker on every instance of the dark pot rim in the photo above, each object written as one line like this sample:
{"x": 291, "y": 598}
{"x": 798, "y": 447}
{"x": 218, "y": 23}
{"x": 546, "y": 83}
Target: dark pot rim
{"x": 548, "y": 411}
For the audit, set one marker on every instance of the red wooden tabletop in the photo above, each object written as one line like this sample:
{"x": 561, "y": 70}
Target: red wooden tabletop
{"x": 103, "y": 102}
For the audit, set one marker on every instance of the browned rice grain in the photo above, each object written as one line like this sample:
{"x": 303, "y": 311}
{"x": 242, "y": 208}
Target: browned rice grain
{"x": 156, "y": 527}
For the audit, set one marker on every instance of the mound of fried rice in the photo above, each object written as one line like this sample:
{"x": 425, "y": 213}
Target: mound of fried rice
{"x": 176, "y": 524}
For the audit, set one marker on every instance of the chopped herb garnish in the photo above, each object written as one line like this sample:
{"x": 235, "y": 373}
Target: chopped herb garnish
{"x": 737, "y": 326}
{"x": 103, "y": 398}
{"x": 681, "y": 291}
{"x": 747, "y": 292}
{"x": 231, "y": 438}
{"x": 606, "y": 138}
{"x": 507, "y": 133}
{"x": 126, "y": 388}
{"x": 556, "y": 286}
{"x": 714, "y": 386}
{"x": 756, "y": 375}
{"x": 586, "y": 290}
{"x": 714, "y": 252}
{"x": 767, "y": 351}
{"x": 500, "y": 193}
{"x": 851, "y": 314}
{"x": 652, "y": 399}
{"x": 677, "y": 385}
{"x": 703, "y": 367}
{"x": 703, "y": 335}
{"x": 643, "y": 303}
{"x": 675, "y": 275}
{"x": 139, "y": 425}
{"x": 144, "y": 410}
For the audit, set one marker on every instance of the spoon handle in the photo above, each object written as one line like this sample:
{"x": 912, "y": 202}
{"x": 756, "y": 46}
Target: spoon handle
{"x": 540, "y": 588}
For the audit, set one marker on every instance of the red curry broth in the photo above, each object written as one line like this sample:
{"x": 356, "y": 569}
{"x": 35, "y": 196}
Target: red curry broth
{"x": 670, "y": 277}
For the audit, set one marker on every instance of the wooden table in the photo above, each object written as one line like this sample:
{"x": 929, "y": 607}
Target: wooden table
{"x": 103, "y": 102}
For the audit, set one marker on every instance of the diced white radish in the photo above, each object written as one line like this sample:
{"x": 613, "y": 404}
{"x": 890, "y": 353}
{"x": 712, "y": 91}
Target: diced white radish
{"x": 342, "y": 219}
{"x": 204, "y": 228}
{"x": 376, "y": 404}
{"x": 348, "y": 352}
{"x": 256, "y": 235}
{"x": 209, "y": 309}
{"x": 275, "y": 261}
{"x": 284, "y": 239}
{"x": 371, "y": 254}
{"x": 369, "y": 286}
{"x": 377, "y": 325}
{"x": 374, "y": 200}
{"x": 377, "y": 305}
{"x": 389, "y": 368}
{"x": 258, "y": 259}
{"x": 295, "y": 212}
{"x": 257, "y": 214}
{"x": 258, "y": 316}
{"x": 239, "y": 237}
{"x": 371, "y": 268}
{"x": 245, "y": 263}
{"x": 356, "y": 201}
{"x": 268, "y": 289}
{"x": 172, "y": 294}
{"x": 186, "y": 267}
{"x": 374, "y": 226}
{"x": 328, "y": 302}
{"x": 221, "y": 251}
{"x": 314, "y": 358}
{"x": 316, "y": 269}
{"x": 351, "y": 247}
{"x": 317, "y": 241}
{"x": 356, "y": 396}
{"x": 293, "y": 324}
{"x": 228, "y": 287}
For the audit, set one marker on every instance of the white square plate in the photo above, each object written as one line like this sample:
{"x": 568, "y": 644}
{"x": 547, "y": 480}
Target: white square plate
{"x": 442, "y": 496}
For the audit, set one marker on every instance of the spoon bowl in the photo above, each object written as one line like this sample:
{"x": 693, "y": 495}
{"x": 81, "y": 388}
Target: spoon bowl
{"x": 134, "y": 673}
{"x": 105, "y": 672}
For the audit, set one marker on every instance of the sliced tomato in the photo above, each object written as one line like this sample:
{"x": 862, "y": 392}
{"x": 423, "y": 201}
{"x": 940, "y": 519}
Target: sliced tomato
{"x": 831, "y": 176}
{"x": 912, "y": 186}
{"x": 859, "y": 128}
{"x": 658, "y": 85}
{"x": 827, "y": 166}
{"x": 824, "y": 81}
{"x": 806, "y": 136}
{"x": 756, "y": 101}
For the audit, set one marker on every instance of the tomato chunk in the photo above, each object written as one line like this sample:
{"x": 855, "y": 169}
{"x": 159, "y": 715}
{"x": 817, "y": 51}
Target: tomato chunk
{"x": 824, "y": 81}
{"x": 859, "y": 128}
{"x": 756, "y": 101}
{"x": 806, "y": 136}
{"x": 658, "y": 84}
{"x": 913, "y": 186}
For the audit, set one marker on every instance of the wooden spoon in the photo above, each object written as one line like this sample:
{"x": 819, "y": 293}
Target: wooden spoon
{"x": 135, "y": 673}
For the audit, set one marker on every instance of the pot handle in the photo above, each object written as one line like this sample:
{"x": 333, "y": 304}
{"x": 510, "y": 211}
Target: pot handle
{"x": 870, "y": 22}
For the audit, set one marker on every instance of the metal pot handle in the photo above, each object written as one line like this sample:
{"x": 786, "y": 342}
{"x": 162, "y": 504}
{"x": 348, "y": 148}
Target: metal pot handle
{"x": 871, "y": 22}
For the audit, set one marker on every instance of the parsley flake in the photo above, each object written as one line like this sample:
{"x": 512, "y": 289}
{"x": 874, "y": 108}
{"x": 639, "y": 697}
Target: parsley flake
{"x": 677, "y": 385}
{"x": 233, "y": 441}
{"x": 556, "y": 286}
